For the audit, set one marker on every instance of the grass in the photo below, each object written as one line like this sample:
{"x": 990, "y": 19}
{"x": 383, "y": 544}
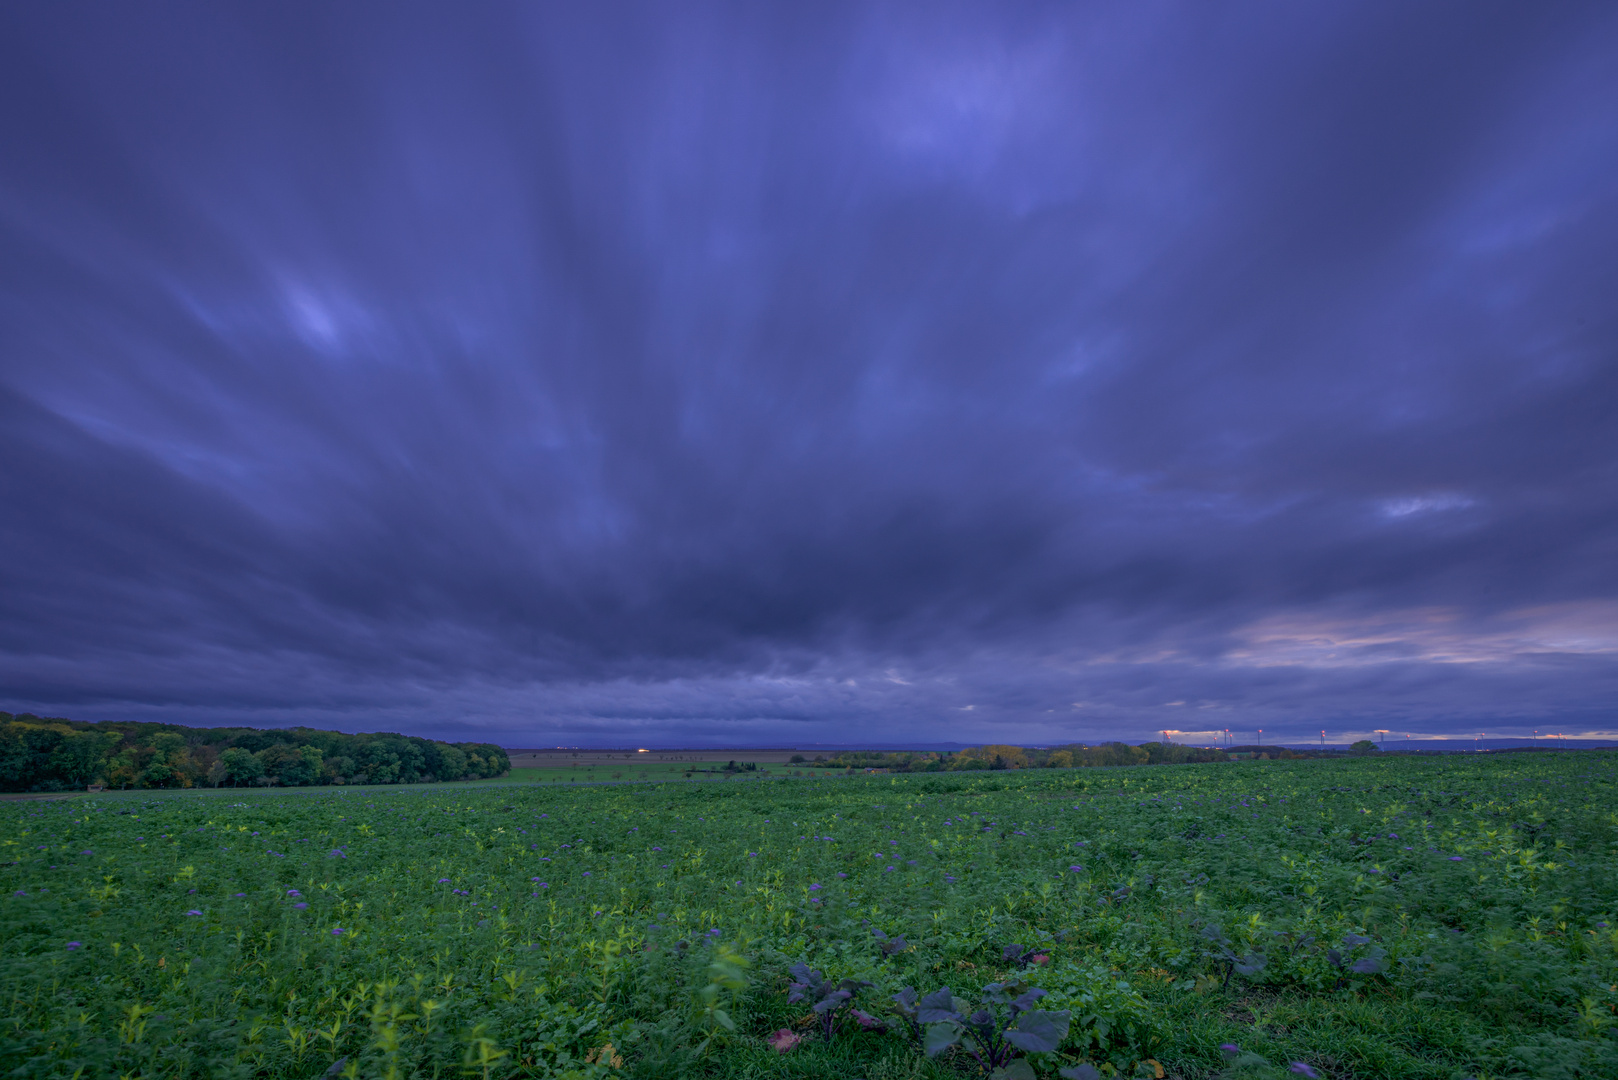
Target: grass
{"x": 1398, "y": 917}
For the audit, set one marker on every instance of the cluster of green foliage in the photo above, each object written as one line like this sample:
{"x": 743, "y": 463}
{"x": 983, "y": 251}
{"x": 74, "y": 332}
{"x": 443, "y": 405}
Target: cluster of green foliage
{"x": 51, "y": 754}
{"x": 1391, "y": 916}
{"x": 1070, "y": 756}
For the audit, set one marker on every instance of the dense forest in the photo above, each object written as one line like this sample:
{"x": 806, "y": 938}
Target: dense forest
{"x": 52, "y": 754}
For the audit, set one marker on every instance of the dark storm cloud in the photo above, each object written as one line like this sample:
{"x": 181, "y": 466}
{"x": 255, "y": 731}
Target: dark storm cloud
{"x": 810, "y": 374}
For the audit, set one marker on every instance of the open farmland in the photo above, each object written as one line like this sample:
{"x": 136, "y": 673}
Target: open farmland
{"x": 657, "y": 770}
{"x": 1373, "y": 918}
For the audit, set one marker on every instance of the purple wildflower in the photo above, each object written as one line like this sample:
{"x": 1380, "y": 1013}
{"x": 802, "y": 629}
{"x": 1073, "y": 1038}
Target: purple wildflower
{"x": 194, "y": 911}
{"x": 812, "y": 888}
{"x": 443, "y": 881}
{"x": 1304, "y": 1070}
{"x": 1230, "y": 1050}
{"x": 841, "y": 874}
{"x": 1456, "y": 858}
{"x": 336, "y": 931}
{"x": 294, "y": 892}
{"x": 74, "y": 945}
{"x": 1076, "y": 868}
{"x": 543, "y": 885}
{"x": 299, "y": 906}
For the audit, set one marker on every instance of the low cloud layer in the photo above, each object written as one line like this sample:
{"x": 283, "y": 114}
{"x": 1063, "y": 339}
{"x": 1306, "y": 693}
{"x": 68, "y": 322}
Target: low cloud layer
{"x": 741, "y": 374}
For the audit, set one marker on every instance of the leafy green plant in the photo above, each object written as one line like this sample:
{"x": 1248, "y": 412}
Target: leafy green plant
{"x": 727, "y": 976}
{"x": 1003, "y": 1025}
{"x": 827, "y": 998}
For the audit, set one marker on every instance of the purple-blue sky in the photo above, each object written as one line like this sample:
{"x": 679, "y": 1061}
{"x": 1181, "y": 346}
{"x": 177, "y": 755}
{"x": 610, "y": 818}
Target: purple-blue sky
{"x": 776, "y": 374}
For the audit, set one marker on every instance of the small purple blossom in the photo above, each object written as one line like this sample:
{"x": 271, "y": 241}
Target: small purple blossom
{"x": 1304, "y": 1070}
{"x": 1230, "y": 1050}
{"x": 543, "y": 885}
{"x": 1076, "y": 868}
{"x": 72, "y": 945}
{"x": 299, "y": 906}
{"x": 841, "y": 874}
{"x": 443, "y": 881}
{"x": 194, "y": 911}
{"x": 812, "y": 888}
{"x": 294, "y": 892}
{"x": 336, "y": 931}
{"x": 1454, "y": 858}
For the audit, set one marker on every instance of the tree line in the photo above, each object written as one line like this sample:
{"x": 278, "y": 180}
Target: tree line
{"x": 53, "y": 754}
{"x": 994, "y": 756}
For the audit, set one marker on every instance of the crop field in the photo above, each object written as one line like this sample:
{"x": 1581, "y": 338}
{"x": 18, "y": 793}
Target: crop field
{"x": 1382, "y": 917}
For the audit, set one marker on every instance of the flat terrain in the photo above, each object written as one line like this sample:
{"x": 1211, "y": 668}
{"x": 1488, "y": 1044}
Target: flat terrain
{"x": 553, "y": 759}
{"x": 1371, "y": 918}
{"x": 609, "y": 772}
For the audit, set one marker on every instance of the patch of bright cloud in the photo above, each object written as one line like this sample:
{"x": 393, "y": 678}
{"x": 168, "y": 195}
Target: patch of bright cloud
{"x": 1432, "y": 635}
{"x": 1425, "y": 504}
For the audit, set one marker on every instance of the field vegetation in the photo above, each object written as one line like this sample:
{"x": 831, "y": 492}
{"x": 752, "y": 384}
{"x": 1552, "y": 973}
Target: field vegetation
{"x": 1371, "y": 917}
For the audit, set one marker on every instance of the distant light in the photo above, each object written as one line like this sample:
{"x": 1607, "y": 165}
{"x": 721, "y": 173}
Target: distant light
{"x": 640, "y": 751}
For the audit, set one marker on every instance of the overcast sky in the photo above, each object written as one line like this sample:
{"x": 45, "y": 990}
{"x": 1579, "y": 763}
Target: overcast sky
{"x": 772, "y": 374}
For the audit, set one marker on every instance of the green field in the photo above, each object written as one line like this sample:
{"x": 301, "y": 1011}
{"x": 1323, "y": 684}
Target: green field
{"x": 1398, "y": 917}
